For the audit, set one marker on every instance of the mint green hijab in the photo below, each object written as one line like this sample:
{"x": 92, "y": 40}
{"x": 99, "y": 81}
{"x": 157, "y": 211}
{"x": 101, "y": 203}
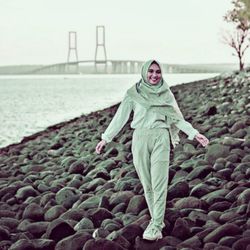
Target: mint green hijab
{"x": 157, "y": 98}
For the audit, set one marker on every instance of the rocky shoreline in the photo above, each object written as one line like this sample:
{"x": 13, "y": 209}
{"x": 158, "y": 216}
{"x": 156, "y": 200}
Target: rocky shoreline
{"x": 57, "y": 193}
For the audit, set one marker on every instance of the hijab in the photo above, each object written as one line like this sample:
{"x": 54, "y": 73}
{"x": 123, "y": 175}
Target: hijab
{"x": 157, "y": 98}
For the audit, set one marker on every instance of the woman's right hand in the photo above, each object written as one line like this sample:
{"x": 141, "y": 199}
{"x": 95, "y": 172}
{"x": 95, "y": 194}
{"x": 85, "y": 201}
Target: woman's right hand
{"x": 100, "y": 146}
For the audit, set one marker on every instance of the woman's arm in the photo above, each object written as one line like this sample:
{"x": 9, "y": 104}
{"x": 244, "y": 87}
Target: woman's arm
{"x": 191, "y": 132}
{"x": 119, "y": 120}
{"x": 187, "y": 128}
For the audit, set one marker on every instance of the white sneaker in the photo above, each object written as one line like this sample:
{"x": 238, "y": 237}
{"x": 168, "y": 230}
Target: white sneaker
{"x": 152, "y": 233}
{"x": 148, "y": 228}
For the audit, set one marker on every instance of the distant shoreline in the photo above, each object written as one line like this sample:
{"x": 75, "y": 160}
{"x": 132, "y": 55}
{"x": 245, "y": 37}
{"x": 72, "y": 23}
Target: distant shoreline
{"x": 89, "y": 69}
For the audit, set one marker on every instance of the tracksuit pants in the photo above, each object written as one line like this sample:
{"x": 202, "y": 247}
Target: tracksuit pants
{"x": 151, "y": 152}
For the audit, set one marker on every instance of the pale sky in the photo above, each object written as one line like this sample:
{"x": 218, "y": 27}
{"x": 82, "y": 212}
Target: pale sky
{"x": 171, "y": 31}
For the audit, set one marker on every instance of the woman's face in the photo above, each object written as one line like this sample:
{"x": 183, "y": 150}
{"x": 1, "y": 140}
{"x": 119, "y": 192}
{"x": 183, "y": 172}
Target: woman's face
{"x": 154, "y": 74}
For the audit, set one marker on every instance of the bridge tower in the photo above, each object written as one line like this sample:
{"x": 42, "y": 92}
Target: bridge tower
{"x": 100, "y": 33}
{"x": 72, "y": 48}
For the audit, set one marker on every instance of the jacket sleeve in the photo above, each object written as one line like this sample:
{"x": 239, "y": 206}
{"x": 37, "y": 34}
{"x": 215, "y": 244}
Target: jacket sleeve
{"x": 187, "y": 128}
{"x": 119, "y": 120}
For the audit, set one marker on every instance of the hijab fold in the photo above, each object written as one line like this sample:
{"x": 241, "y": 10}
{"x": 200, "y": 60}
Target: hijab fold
{"x": 157, "y": 98}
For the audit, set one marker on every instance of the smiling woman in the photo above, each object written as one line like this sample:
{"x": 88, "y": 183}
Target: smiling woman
{"x": 154, "y": 73}
{"x": 156, "y": 122}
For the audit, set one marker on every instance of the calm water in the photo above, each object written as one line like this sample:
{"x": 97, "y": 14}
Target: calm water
{"x": 29, "y": 104}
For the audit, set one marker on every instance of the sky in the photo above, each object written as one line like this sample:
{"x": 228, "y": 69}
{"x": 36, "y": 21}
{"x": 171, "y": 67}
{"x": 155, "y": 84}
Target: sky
{"x": 171, "y": 31}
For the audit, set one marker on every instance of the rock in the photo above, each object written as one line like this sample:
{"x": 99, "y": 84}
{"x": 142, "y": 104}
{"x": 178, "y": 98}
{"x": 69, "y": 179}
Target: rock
{"x": 22, "y": 244}
{"x": 136, "y": 204}
{"x": 108, "y": 221}
{"x": 34, "y": 212}
{"x": 167, "y": 248}
{"x": 244, "y": 197}
{"x": 84, "y": 223}
{"x": 97, "y": 182}
{"x": 178, "y": 190}
{"x": 97, "y": 215}
{"x": 37, "y": 229}
{"x": 42, "y": 188}
{"x": 126, "y": 183}
{"x": 218, "y": 166}
{"x": 228, "y": 216}
{"x": 234, "y": 158}
{"x": 73, "y": 242}
{"x": 191, "y": 243}
{"x": 232, "y": 142}
{"x": 210, "y": 109}
{"x": 128, "y": 218}
{"x": 220, "y": 206}
{"x": 91, "y": 202}
{"x": 25, "y": 244}
{"x": 101, "y": 244}
{"x": 227, "y": 229}
{"x": 215, "y": 196}
{"x": 7, "y": 213}
{"x": 243, "y": 167}
{"x": 164, "y": 243}
{"x": 54, "y": 212}
{"x": 188, "y": 202}
{"x": 119, "y": 208}
{"x": 10, "y": 223}
{"x": 130, "y": 232}
{"x": 216, "y": 151}
{"x": 107, "y": 164}
{"x": 215, "y": 181}
{"x": 103, "y": 174}
{"x": 67, "y": 196}
{"x": 32, "y": 168}
{"x": 100, "y": 233}
{"x": 198, "y": 216}
{"x": 224, "y": 174}
{"x": 111, "y": 227}
{"x": 237, "y": 125}
{"x": 200, "y": 190}
{"x": 181, "y": 229}
{"x": 182, "y": 156}
{"x": 56, "y": 145}
{"x": 199, "y": 172}
{"x": 119, "y": 197}
{"x": 123, "y": 242}
{"x": 172, "y": 215}
{"x": 4, "y": 234}
{"x": 58, "y": 230}
{"x": 77, "y": 167}
{"x": 232, "y": 196}
{"x": 25, "y": 192}
{"x": 43, "y": 244}
{"x": 180, "y": 175}
{"x": 242, "y": 243}
{"x": 246, "y": 159}
{"x": 73, "y": 214}
{"x": 10, "y": 189}
{"x": 227, "y": 241}
{"x": 104, "y": 202}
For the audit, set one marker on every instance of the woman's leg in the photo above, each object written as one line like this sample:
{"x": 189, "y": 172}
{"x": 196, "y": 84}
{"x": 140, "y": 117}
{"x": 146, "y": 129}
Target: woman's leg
{"x": 141, "y": 160}
{"x": 159, "y": 175}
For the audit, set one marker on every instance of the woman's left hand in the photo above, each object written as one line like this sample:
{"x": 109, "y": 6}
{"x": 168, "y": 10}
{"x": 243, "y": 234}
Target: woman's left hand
{"x": 202, "y": 139}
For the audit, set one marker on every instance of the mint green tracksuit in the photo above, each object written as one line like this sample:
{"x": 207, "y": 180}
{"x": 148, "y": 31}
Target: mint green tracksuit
{"x": 150, "y": 149}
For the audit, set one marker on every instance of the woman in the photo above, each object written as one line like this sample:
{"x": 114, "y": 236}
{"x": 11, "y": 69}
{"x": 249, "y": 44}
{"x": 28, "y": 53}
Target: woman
{"x": 157, "y": 120}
